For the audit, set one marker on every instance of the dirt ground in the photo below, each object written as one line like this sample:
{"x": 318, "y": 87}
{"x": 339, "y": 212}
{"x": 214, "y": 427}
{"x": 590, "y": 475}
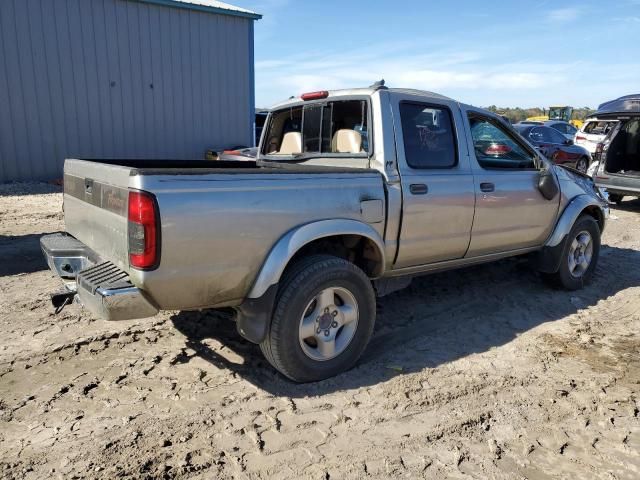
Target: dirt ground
{"x": 480, "y": 373}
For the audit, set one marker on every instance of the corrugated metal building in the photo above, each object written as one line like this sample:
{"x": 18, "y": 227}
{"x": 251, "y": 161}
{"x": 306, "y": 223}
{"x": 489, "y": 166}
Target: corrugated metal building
{"x": 121, "y": 78}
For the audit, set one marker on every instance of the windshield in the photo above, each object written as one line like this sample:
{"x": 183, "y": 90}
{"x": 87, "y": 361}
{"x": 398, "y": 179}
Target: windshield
{"x": 319, "y": 128}
{"x": 560, "y": 113}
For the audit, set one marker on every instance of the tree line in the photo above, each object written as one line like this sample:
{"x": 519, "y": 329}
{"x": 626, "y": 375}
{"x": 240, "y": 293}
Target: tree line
{"x": 518, "y": 114}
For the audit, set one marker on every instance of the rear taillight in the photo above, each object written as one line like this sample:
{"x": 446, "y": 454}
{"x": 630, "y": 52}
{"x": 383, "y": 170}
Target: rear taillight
{"x": 580, "y": 138}
{"x": 497, "y": 149}
{"x": 143, "y": 231}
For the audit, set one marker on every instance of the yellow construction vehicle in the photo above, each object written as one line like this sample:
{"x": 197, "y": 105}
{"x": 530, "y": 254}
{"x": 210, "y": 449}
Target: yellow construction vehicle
{"x": 561, "y": 112}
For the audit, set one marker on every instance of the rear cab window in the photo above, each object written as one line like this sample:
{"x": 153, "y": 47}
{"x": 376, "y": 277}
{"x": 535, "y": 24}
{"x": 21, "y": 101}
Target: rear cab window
{"x": 329, "y": 128}
{"x": 496, "y": 147}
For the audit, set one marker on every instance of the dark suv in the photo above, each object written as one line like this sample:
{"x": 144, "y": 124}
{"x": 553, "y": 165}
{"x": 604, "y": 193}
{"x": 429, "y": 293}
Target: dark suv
{"x": 619, "y": 153}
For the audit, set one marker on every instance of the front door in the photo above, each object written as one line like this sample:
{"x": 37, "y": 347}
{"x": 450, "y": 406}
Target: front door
{"x": 437, "y": 184}
{"x": 510, "y": 213}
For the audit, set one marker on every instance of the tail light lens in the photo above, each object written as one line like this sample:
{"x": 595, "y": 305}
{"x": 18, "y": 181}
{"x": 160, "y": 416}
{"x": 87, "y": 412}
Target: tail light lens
{"x": 580, "y": 138}
{"x": 143, "y": 231}
{"x": 497, "y": 149}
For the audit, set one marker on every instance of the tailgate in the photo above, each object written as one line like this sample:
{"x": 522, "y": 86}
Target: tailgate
{"x": 95, "y": 207}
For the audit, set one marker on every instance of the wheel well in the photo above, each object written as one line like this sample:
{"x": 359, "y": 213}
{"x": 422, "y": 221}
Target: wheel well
{"x": 357, "y": 249}
{"x": 596, "y": 213}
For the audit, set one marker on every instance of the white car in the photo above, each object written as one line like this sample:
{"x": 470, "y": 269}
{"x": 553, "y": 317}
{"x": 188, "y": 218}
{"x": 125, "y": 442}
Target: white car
{"x": 593, "y": 132}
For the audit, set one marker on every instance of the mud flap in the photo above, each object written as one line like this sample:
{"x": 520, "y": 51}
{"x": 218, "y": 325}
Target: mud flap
{"x": 548, "y": 259}
{"x": 254, "y": 315}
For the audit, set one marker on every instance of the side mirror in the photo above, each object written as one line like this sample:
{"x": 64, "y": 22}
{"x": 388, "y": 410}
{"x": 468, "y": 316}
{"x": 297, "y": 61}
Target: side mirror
{"x": 548, "y": 184}
{"x": 568, "y": 141}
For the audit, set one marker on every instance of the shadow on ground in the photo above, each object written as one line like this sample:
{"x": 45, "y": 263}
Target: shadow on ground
{"x": 21, "y": 254}
{"x": 469, "y": 311}
{"x": 628, "y": 204}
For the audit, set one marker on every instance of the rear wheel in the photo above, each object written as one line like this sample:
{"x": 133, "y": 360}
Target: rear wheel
{"x": 323, "y": 319}
{"x": 582, "y": 165}
{"x": 579, "y": 255}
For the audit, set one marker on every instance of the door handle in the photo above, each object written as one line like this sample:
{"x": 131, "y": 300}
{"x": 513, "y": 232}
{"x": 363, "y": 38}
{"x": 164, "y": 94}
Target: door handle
{"x": 418, "y": 188}
{"x": 487, "y": 187}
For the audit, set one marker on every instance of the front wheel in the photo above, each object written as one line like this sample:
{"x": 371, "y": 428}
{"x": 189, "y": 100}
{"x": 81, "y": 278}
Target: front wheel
{"x": 323, "y": 319}
{"x": 579, "y": 255}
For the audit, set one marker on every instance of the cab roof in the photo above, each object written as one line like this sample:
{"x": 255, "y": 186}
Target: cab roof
{"x": 366, "y": 91}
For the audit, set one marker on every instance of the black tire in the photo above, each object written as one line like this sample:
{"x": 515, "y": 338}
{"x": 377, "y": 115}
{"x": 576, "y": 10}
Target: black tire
{"x": 582, "y": 165}
{"x": 615, "y": 198}
{"x": 563, "y": 278}
{"x": 301, "y": 283}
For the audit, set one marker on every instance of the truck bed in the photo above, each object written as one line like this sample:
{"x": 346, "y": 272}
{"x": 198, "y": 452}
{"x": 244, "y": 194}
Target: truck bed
{"x": 218, "y": 220}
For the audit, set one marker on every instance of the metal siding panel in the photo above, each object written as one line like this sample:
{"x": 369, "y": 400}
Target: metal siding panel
{"x": 196, "y": 83}
{"x": 50, "y": 159}
{"x": 114, "y": 78}
{"x": 84, "y": 132}
{"x": 158, "y": 104}
{"x": 214, "y": 63}
{"x": 54, "y": 82}
{"x": 77, "y": 81}
{"x": 205, "y": 81}
{"x": 35, "y": 102}
{"x": 65, "y": 67}
{"x": 8, "y": 153}
{"x": 103, "y": 78}
{"x": 126, "y": 80}
{"x": 177, "y": 90}
{"x": 168, "y": 99}
{"x": 136, "y": 85}
{"x": 187, "y": 128}
{"x": 90, "y": 76}
{"x": 19, "y": 126}
{"x": 252, "y": 83}
{"x": 146, "y": 79}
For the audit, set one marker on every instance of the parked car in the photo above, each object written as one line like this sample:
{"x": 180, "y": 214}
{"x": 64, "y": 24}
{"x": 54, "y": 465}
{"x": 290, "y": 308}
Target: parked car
{"x": 619, "y": 153}
{"x": 565, "y": 128}
{"x": 593, "y": 132}
{"x": 239, "y": 154}
{"x": 556, "y": 146}
{"x": 300, "y": 241}
{"x": 529, "y": 122}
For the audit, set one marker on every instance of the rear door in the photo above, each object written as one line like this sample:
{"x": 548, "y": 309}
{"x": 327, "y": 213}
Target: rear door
{"x": 437, "y": 182}
{"x": 510, "y": 212}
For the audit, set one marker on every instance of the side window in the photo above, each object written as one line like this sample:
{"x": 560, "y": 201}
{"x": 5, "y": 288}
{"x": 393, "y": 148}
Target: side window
{"x": 497, "y": 148}
{"x": 427, "y": 132}
{"x": 542, "y": 135}
{"x": 556, "y": 137}
{"x": 537, "y": 135}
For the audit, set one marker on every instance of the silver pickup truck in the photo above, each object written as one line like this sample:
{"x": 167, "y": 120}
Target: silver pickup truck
{"x": 353, "y": 192}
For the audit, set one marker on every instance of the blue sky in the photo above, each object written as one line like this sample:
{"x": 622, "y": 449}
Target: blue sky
{"x": 507, "y": 53}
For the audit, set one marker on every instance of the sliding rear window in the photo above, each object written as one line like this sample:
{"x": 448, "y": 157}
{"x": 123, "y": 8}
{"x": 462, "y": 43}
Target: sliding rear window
{"x": 339, "y": 127}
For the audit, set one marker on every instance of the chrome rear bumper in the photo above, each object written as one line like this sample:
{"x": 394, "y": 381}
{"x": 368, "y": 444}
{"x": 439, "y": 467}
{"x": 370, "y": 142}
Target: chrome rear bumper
{"x": 100, "y": 286}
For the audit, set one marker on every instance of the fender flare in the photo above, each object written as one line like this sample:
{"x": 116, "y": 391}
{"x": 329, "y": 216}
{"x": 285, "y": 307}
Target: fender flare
{"x": 550, "y": 256}
{"x": 289, "y": 244}
{"x": 571, "y": 214}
